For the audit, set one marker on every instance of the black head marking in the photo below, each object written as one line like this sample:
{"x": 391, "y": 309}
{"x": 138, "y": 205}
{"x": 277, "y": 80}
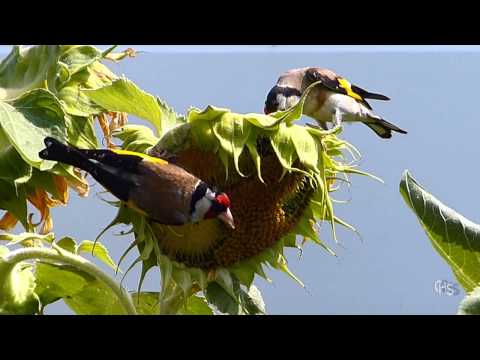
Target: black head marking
{"x": 272, "y": 104}
{"x": 198, "y": 193}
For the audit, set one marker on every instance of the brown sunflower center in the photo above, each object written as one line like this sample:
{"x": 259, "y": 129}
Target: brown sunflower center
{"x": 263, "y": 212}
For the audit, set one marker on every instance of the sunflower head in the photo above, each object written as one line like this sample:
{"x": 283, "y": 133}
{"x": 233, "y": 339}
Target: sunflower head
{"x": 278, "y": 175}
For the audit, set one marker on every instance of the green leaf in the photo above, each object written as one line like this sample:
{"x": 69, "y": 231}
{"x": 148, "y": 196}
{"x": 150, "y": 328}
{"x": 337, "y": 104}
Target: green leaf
{"x": 55, "y": 282}
{"x": 81, "y": 292}
{"x": 174, "y": 141}
{"x": 455, "y": 238}
{"x": 95, "y": 299}
{"x": 253, "y": 301}
{"x": 283, "y": 147}
{"x": 221, "y": 299}
{"x": 239, "y": 302}
{"x": 170, "y": 118}
{"x": 81, "y": 132}
{"x": 137, "y": 138}
{"x": 98, "y": 250}
{"x": 263, "y": 121}
{"x": 74, "y": 100}
{"x": 146, "y": 303}
{"x": 25, "y": 69}
{"x": 252, "y": 148}
{"x": 78, "y": 57}
{"x": 232, "y": 133}
{"x": 14, "y": 200}
{"x": 67, "y": 243}
{"x": 28, "y": 120}
{"x": 195, "y": 305}
{"x": 12, "y": 166}
{"x": 201, "y": 126}
{"x": 124, "y": 96}
{"x": 470, "y": 305}
{"x": 306, "y": 146}
{"x": 17, "y": 284}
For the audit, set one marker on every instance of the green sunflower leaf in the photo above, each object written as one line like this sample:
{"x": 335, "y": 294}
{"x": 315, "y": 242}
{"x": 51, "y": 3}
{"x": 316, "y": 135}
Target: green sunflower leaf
{"x": 263, "y": 121}
{"x": 98, "y": 250}
{"x": 14, "y": 200}
{"x": 238, "y": 303}
{"x": 124, "y": 96}
{"x": 12, "y": 166}
{"x": 232, "y": 133}
{"x": 81, "y": 132}
{"x": 146, "y": 303}
{"x": 67, "y": 243}
{"x": 306, "y": 146}
{"x": 137, "y": 138}
{"x": 454, "y": 237}
{"x": 253, "y": 301}
{"x": 28, "y": 120}
{"x": 283, "y": 146}
{"x": 195, "y": 305}
{"x": 95, "y": 299}
{"x": 25, "y": 69}
{"x": 55, "y": 282}
{"x": 78, "y": 57}
{"x": 470, "y": 305}
{"x": 221, "y": 299}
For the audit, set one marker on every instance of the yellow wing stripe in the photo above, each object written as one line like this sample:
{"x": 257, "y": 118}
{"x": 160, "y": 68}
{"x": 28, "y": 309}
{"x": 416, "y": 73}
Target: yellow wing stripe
{"x": 348, "y": 87}
{"x": 143, "y": 156}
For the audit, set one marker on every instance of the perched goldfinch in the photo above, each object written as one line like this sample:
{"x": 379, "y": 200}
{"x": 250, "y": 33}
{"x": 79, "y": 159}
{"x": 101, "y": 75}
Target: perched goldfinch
{"x": 333, "y": 100}
{"x": 164, "y": 192}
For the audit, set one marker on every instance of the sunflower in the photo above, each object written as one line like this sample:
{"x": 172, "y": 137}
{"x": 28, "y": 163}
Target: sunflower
{"x": 279, "y": 176}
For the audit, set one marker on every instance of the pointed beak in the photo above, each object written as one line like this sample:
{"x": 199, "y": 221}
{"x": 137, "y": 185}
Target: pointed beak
{"x": 227, "y": 218}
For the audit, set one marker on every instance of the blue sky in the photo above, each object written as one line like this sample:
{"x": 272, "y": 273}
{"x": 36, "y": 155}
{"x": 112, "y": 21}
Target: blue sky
{"x": 393, "y": 269}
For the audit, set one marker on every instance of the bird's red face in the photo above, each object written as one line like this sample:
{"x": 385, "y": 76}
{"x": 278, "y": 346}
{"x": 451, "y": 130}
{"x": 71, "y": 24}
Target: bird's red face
{"x": 220, "y": 207}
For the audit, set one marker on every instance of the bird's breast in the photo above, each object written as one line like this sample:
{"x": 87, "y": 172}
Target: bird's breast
{"x": 323, "y": 104}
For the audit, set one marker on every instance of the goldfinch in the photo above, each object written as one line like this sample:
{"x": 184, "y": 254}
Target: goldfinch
{"x": 333, "y": 100}
{"x": 164, "y": 192}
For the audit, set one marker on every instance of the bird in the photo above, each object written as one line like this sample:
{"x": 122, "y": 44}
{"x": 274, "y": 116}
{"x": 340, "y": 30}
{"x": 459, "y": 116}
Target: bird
{"x": 164, "y": 192}
{"x": 335, "y": 99}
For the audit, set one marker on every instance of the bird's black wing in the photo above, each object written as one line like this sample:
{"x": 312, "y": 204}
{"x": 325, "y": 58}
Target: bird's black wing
{"x": 340, "y": 85}
{"x": 328, "y": 79}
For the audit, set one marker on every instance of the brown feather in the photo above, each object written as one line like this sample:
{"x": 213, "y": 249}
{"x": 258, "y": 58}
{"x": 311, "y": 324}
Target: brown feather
{"x": 164, "y": 192}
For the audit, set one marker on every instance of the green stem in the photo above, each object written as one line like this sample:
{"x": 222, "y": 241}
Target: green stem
{"x": 78, "y": 262}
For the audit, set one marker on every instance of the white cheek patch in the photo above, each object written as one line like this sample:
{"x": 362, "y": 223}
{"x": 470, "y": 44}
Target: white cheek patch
{"x": 292, "y": 101}
{"x": 201, "y": 208}
{"x": 282, "y": 102}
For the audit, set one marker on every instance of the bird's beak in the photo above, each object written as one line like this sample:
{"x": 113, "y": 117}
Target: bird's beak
{"x": 227, "y": 218}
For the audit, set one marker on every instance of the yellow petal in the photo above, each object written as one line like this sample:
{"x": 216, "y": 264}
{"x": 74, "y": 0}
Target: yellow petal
{"x": 62, "y": 188}
{"x": 42, "y": 202}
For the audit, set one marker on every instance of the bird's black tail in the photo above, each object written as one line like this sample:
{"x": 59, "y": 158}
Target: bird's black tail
{"x": 383, "y": 128}
{"x": 56, "y": 151}
{"x": 112, "y": 178}
{"x": 369, "y": 95}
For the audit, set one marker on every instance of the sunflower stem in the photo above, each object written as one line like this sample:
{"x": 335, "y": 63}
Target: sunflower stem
{"x": 78, "y": 262}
